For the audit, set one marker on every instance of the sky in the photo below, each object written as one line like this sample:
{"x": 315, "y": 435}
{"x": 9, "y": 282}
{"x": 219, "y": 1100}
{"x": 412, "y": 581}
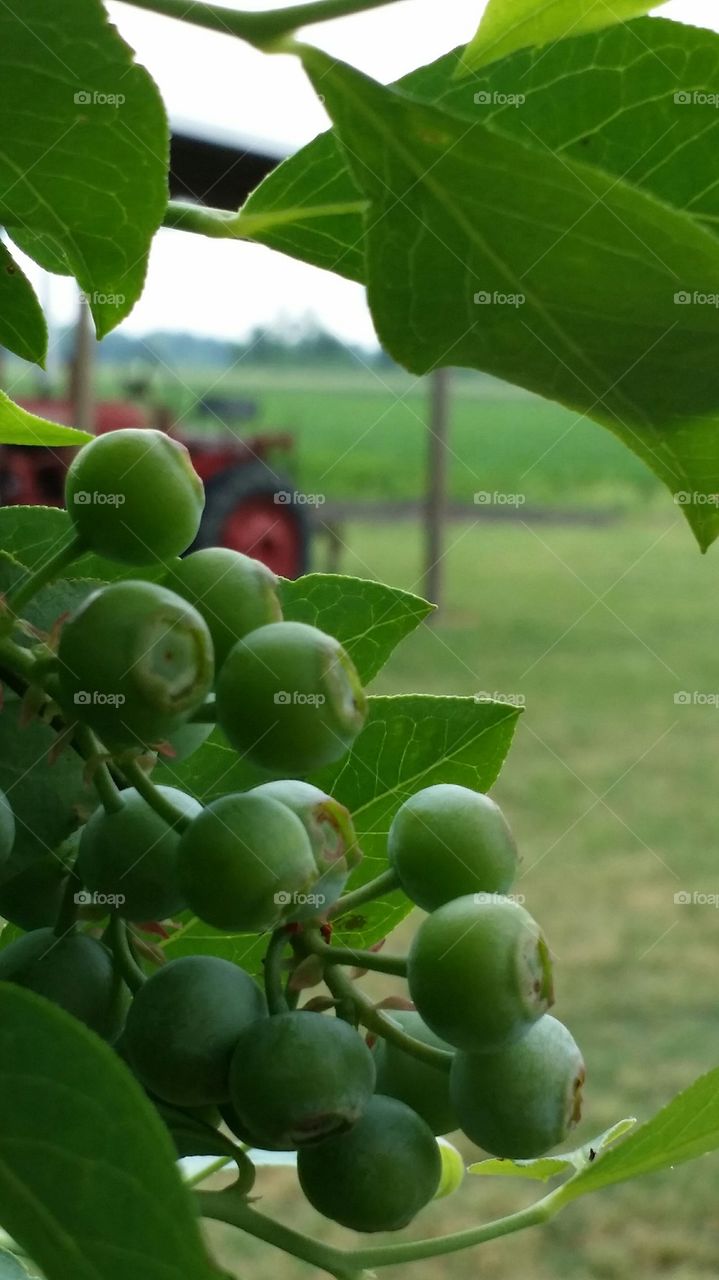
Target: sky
{"x": 220, "y": 81}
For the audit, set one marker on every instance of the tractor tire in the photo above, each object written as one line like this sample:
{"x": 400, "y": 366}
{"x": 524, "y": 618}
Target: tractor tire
{"x": 251, "y": 509}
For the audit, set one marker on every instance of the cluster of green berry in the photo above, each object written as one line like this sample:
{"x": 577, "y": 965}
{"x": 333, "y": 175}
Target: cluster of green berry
{"x": 143, "y": 666}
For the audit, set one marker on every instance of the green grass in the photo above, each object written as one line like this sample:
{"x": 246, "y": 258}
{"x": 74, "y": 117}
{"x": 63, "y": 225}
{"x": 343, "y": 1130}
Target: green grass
{"x": 610, "y": 788}
{"x": 362, "y": 434}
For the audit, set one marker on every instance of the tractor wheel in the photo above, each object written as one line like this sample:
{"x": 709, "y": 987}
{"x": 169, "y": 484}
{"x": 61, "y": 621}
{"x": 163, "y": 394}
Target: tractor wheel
{"x": 250, "y": 509}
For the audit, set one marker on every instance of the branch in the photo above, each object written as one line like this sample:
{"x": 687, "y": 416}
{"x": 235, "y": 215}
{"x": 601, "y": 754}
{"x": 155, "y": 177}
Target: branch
{"x": 222, "y": 224}
{"x": 260, "y": 29}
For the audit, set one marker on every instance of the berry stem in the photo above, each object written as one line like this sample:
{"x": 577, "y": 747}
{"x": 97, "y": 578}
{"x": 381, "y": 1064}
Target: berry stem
{"x": 276, "y": 1002}
{"x": 19, "y": 595}
{"x": 259, "y": 29}
{"x": 153, "y": 797}
{"x": 384, "y": 883}
{"x": 226, "y": 1206}
{"x": 117, "y": 933}
{"x": 67, "y": 915}
{"x": 378, "y": 1022}
{"x": 216, "y": 1167}
{"x": 91, "y": 752}
{"x": 378, "y": 961}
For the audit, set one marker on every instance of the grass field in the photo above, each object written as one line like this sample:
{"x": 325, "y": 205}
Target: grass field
{"x": 610, "y": 787}
{"x": 361, "y": 433}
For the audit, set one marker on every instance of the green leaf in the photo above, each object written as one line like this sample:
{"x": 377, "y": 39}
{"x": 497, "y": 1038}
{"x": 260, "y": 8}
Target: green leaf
{"x": 543, "y": 270}
{"x": 308, "y": 208}
{"x": 42, "y": 248}
{"x": 17, "y": 426}
{"x": 547, "y": 1167}
{"x": 79, "y": 116}
{"x": 22, "y": 323}
{"x": 47, "y": 796}
{"x": 88, "y": 1184}
{"x": 368, "y": 618}
{"x": 31, "y": 534}
{"x": 408, "y": 743}
{"x": 686, "y": 1128}
{"x": 11, "y": 1268}
{"x": 508, "y": 25}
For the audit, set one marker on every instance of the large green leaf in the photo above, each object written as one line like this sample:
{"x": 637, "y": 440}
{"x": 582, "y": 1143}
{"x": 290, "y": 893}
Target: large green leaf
{"x": 88, "y": 1183}
{"x": 542, "y": 269}
{"x": 32, "y": 534}
{"x": 17, "y": 426}
{"x": 686, "y": 1128}
{"x": 22, "y": 323}
{"x": 508, "y": 25}
{"x": 83, "y": 148}
{"x": 368, "y": 618}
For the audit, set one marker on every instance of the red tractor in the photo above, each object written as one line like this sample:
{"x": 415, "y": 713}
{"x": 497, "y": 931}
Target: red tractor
{"x": 249, "y": 507}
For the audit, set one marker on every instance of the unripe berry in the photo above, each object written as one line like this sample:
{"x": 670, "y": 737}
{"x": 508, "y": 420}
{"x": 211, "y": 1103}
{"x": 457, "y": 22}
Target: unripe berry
{"x": 7, "y": 828}
{"x": 135, "y": 662}
{"x": 75, "y": 972}
{"x": 447, "y": 841}
{"x": 289, "y": 697}
{"x": 523, "y": 1099}
{"x": 330, "y": 829}
{"x": 134, "y": 496}
{"x": 132, "y": 854}
{"x": 378, "y": 1175}
{"x": 234, "y": 593}
{"x": 298, "y": 1077}
{"x": 183, "y": 1026}
{"x": 243, "y": 861}
{"x": 421, "y": 1086}
{"x": 479, "y": 972}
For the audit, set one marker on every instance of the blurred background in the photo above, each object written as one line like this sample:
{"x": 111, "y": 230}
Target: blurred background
{"x": 568, "y": 582}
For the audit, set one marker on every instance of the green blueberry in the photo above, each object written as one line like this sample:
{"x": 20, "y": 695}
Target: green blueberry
{"x": 75, "y": 972}
{"x": 330, "y": 829}
{"x": 234, "y": 593}
{"x": 379, "y": 1174}
{"x": 183, "y": 1026}
{"x": 447, "y": 841}
{"x": 129, "y": 857}
{"x": 524, "y": 1098}
{"x": 7, "y": 829}
{"x": 289, "y": 697}
{"x": 421, "y": 1086}
{"x": 245, "y": 862}
{"x": 479, "y": 972}
{"x": 31, "y": 897}
{"x": 134, "y": 496}
{"x": 135, "y": 662}
{"x": 298, "y": 1077}
{"x": 185, "y": 741}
